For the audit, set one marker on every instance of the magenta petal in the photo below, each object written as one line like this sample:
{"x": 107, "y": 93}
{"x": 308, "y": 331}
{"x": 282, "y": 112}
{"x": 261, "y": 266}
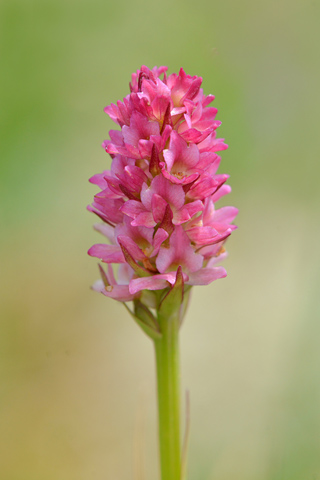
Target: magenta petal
{"x": 206, "y": 276}
{"x": 107, "y": 253}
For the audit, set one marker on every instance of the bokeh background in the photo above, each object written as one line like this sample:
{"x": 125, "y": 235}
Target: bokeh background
{"x": 77, "y": 392}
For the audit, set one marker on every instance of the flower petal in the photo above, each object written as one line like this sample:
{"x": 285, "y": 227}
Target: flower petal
{"x": 206, "y": 276}
{"x": 107, "y": 253}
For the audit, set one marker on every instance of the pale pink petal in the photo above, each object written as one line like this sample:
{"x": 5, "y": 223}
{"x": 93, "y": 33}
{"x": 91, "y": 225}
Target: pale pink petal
{"x": 107, "y": 253}
{"x": 99, "y": 179}
{"x": 106, "y": 230}
{"x": 209, "y": 159}
{"x": 133, "y": 208}
{"x": 144, "y": 219}
{"x": 149, "y": 283}
{"x": 214, "y": 260}
{"x": 206, "y": 276}
{"x": 225, "y": 214}
{"x": 118, "y": 292}
{"x": 178, "y": 110}
{"x": 125, "y": 274}
{"x": 223, "y": 190}
{"x": 155, "y": 282}
{"x": 203, "y": 235}
{"x": 110, "y": 275}
{"x": 98, "y": 286}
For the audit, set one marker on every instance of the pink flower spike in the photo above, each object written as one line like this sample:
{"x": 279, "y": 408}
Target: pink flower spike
{"x": 157, "y": 202}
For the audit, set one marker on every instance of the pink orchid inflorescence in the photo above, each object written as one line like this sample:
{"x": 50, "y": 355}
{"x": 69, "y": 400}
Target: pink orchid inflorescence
{"x": 157, "y": 201}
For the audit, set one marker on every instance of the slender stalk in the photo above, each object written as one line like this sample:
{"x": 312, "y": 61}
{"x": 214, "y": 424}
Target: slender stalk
{"x": 168, "y": 383}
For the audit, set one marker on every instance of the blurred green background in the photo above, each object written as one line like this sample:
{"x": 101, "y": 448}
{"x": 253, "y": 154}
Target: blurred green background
{"x": 77, "y": 391}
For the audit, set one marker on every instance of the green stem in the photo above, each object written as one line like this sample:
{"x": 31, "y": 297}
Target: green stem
{"x": 168, "y": 382}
